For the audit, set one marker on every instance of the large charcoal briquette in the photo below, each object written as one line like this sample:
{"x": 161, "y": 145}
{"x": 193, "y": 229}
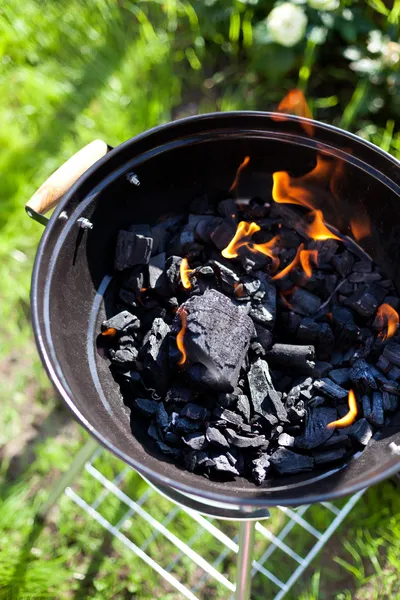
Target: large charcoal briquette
{"x": 317, "y": 432}
{"x": 287, "y": 462}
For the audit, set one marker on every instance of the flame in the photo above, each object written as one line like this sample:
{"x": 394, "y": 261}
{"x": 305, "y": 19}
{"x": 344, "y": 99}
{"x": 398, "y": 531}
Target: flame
{"x": 295, "y": 103}
{"x": 389, "y": 319}
{"x": 284, "y": 293}
{"x": 318, "y": 230}
{"x": 351, "y": 415}
{"x": 111, "y": 332}
{"x": 244, "y": 230}
{"x": 239, "y": 170}
{"x": 184, "y": 273}
{"x": 180, "y": 336}
{"x": 239, "y": 290}
{"x": 302, "y": 258}
{"x": 267, "y": 248}
{"x": 360, "y": 227}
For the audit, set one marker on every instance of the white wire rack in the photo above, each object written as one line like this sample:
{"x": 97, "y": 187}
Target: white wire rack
{"x": 197, "y": 558}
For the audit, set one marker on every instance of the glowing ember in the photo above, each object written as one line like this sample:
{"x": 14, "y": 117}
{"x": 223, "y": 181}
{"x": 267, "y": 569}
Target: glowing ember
{"x": 318, "y": 230}
{"x": 302, "y": 258}
{"x": 238, "y": 172}
{"x": 111, "y": 332}
{"x": 351, "y": 415}
{"x": 185, "y": 274}
{"x": 360, "y": 227}
{"x": 244, "y": 230}
{"x": 389, "y": 320}
{"x": 180, "y": 336}
{"x": 295, "y": 103}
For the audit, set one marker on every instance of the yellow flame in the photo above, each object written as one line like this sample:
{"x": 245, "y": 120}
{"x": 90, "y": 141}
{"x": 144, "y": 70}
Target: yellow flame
{"x": 244, "y": 230}
{"x": 390, "y": 321}
{"x": 350, "y": 417}
{"x": 184, "y": 273}
{"x": 180, "y": 336}
{"x": 238, "y": 172}
{"x": 318, "y": 230}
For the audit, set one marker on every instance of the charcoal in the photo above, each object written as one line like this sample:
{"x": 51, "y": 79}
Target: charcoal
{"x": 265, "y": 399}
{"x": 326, "y": 249}
{"x": 205, "y": 227}
{"x": 363, "y": 266}
{"x": 296, "y": 413}
{"x": 240, "y": 441}
{"x": 170, "y": 282}
{"x": 392, "y": 353}
{"x": 227, "y": 400}
{"x": 303, "y": 384}
{"x": 392, "y": 387}
{"x": 377, "y": 415}
{"x": 330, "y": 389}
{"x": 190, "y": 460}
{"x": 154, "y": 432}
{"x": 228, "y": 277}
{"x": 316, "y": 431}
{"x": 202, "y": 205}
{"x": 243, "y": 406}
{"x": 173, "y": 452}
{"x": 286, "y": 462}
{"x": 128, "y": 297}
{"x": 223, "y": 234}
{"x": 345, "y": 328}
{"x": 257, "y": 349}
{"x": 216, "y": 438}
{"x": 227, "y": 208}
{"x": 227, "y": 415}
{"x": 323, "y": 458}
{"x": 366, "y": 406}
{"x": 362, "y": 376}
{"x": 154, "y": 357}
{"x": 172, "y": 439}
{"x": 122, "y": 322}
{"x": 126, "y": 341}
{"x": 204, "y": 460}
{"x": 263, "y": 307}
{"x": 195, "y": 412}
{"x": 134, "y": 279}
{"x": 260, "y": 468}
{"x": 320, "y": 334}
{"x": 146, "y": 407}
{"x": 394, "y": 402}
{"x": 124, "y": 357}
{"x": 132, "y": 249}
{"x": 361, "y": 432}
{"x": 316, "y": 401}
{"x": 365, "y": 277}
{"x": 217, "y": 337}
{"x": 320, "y": 369}
{"x": 291, "y": 217}
{"x": 304, "y": 303}
{"x": 394, "y": 374}
{"x": 365, "y": 302}
{"x": 162, "y": 417}
{"x": 185, "y": 425}
{"x": 178, "y": 395}
{"x": 343, "y": 263}
{"x": 222, "y": 465}
{"x": 195, "y": 441}
{"x": 291, "y": 355}
{"x": 264, "y": 336}
{"x": 340, "y": 376}
{"x": 286, "y": 440}
{"x": 336, "y": 441}
{"x": 156, "y": 269}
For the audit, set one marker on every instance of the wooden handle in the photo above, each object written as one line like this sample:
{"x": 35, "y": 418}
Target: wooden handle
{"x": 50, "y": 192}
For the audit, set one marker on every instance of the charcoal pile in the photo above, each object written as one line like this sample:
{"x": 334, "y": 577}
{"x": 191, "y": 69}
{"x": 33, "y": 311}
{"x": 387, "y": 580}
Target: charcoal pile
{"x": 239, "y": 334}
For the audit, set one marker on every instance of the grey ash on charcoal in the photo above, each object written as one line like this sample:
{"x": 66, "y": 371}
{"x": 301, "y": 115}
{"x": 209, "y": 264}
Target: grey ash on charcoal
{"x": 237, "y": 338}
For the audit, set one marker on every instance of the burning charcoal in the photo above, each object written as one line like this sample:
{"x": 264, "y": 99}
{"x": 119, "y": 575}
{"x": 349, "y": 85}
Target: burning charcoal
{"x": 304, "y": 302}
{"x": 195, "y": 441}
{"x": 330, "y": 389}
{"x": 240, "y": 441}
{"x": 185, "y": 425}
{"x": 286, "y": 462}
{"x": 340, "y": 376}
{"x": 392, "y": 353}
{"x": 217, "y": 336}
{"x": 178, "y": 396}
{"x": 134, "y": 279}
{"x": 228, "y": 416}
{"x": 290, "y": 355}
{"x": 223, "y": 234}
{"x": 153, "y": 432}
{"x": 326, "y": 249}
{"x": 323, "y": 458}
{"x": 394, "y": 373}
{"x": 362, "y": 376}
{"x": 122, "y": 322}
{"x": 291, "y": 217}
{"x": 215, "y": 437}
{"x": 146, "y": 407}
{"x": 316, "y": 432}
{"x": 366, "y": 406}
{"x": 286, "y": 440}
{"x": 162, "y": 417}
{"x": 361, "y": 431}
{"x": 260, "y": 467}
{"x": 171, "y": 439}
{"x": 377, "y": 416}
{"x": 173, "y": 452}
{"x": 265, "y": 398}
{"x": 243, "y": 406}
{"x": 154, "y": 357}
{"x": 125, "y": 357}
{"x": 156, "y": 269}
{"x": 132, "y": 249}
{"x": 365, "y": 302}
{"x": 194, "y": 411}
{"x": 343, "y": 263}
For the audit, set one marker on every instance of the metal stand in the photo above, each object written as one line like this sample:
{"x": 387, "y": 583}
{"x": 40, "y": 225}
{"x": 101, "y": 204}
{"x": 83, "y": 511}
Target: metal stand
{"x": 247, "y": 530}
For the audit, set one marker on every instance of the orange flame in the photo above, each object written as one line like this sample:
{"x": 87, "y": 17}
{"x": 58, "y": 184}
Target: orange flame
{"x": 239, "y": 170}
{"x": 184, "y": 273}
{"x": 361, "y": 227}
{"x": 302, "y": 258}
{"x": 295, "y": 103}
{"x": 389, "y": 319}
{"x": 318, "y": 230}
{"x": 351, "y": 415}
{"x": 244, "y": 230}
{"x": 111, "y": 332}
{"x": 267, "y": 248}
{"x": 180, "y": 336}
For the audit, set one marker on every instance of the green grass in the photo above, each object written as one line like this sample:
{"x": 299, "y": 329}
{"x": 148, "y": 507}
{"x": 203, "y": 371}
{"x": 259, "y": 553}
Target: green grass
{"x": 71, "y": 72}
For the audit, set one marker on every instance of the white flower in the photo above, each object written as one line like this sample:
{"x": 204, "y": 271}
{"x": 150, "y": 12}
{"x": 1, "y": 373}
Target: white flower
{"x": 324, "y": 4}
{"x": 287, "y": 24}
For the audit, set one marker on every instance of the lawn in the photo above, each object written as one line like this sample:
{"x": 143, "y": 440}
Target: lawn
{"x": 72, "y": 71}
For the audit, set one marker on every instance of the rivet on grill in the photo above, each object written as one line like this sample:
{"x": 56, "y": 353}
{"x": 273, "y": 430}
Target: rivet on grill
{"x": 63, "y": 216}
{"x": 394, "y": 448}
{"x": 133, "y": 178}
{"x": 85, "y": 223}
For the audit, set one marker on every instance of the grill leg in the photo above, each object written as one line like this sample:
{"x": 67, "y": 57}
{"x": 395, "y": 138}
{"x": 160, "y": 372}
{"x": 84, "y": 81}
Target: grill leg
{"x": 244, "y": 560}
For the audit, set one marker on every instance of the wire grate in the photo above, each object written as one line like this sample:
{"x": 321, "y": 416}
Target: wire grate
{"x": 194, "y": 554}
